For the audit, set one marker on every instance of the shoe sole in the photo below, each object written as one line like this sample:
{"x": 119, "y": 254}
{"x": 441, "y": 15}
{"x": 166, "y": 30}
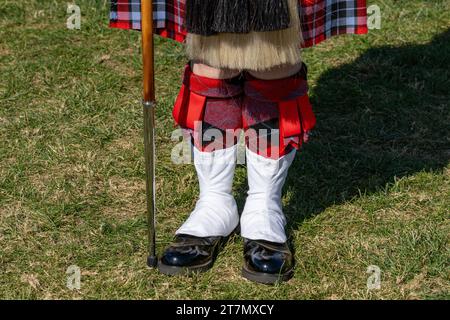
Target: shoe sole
{"x": 267, "y": 278}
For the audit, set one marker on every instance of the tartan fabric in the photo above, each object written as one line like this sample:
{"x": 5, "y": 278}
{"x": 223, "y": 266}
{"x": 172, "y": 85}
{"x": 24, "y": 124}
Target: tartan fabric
{"x": 264, "y": 109}
{"x": 321, "y": 19}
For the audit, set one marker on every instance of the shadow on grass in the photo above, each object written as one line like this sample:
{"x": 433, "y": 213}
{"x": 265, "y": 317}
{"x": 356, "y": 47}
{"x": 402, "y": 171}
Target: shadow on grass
{"x": 383, "y": 116}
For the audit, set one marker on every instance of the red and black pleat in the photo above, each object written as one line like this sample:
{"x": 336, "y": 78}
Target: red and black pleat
{"x": 210, "y": 109}
{"x": 277, "y": 114}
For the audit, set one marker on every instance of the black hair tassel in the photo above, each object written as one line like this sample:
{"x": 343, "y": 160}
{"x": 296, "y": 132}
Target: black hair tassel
{"x": 269, "y": 15}
{"x": 199, "y": 16}
{"x": 208, "y": 17}
{"x": 232, "y": 16}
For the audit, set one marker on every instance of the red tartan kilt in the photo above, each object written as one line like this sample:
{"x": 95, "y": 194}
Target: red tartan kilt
{"x": 259, "y": 101}
{"x": 294, "y": 111}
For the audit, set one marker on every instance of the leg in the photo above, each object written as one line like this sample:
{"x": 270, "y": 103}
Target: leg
{"x": 277, "y": 117}
{"x": 206, "y": 71}
{"x": 208, "y": 108}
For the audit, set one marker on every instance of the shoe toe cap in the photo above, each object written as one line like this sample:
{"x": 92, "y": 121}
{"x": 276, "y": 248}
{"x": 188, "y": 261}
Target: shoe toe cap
{"x": 172, "y": 259}
{"x": 267, "y": 257}
{"x": 179, "y": 259}
{"x": 272, "y": 265}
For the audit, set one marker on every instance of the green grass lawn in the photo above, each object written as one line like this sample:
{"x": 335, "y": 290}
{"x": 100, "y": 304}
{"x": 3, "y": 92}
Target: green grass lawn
{"x": 371, "y": 188}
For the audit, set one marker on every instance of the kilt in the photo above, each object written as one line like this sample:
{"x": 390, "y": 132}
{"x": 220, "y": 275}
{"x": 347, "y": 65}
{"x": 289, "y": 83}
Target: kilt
{"x": 320, "y": 19}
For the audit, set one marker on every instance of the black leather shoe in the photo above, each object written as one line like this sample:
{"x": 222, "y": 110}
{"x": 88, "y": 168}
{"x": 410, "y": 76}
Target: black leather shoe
{"x": 189, "y": 254}
{"x": 267, "y": 262}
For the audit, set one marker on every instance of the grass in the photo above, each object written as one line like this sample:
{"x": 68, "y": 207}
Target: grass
{"x": 371, "y": 188}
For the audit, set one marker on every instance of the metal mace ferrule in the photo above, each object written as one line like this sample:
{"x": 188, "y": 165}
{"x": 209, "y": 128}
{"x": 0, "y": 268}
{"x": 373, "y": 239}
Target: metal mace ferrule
{"x": 149, "y": 104}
